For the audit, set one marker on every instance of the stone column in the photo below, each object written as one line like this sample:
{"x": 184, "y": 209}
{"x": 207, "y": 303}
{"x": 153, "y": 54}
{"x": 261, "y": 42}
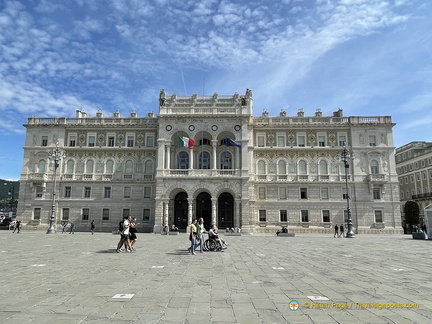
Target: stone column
{"x": 168, "y": 157}
{"x": 214, "y": 204}
{"x": 191, "y": 159}
{"x": 190, "y": 210}
{"x": 237, "y": 216}
{"x": 214, "y": 146}
{"x": 158, "y": 217}
{"x": 166, "y": 213}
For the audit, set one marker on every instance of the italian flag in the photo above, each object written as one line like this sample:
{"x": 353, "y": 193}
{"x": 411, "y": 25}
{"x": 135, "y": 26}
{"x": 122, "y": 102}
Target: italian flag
{"x": 186, "y": 142}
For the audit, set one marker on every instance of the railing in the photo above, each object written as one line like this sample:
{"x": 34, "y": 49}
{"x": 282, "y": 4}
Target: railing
{"x": 376, "y": 177}
{"x": 423, "y": 195}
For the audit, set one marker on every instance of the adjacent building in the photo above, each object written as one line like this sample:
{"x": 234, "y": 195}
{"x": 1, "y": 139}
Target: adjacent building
{"x": 208, "y": 156}
{"x": 414, "y": 168}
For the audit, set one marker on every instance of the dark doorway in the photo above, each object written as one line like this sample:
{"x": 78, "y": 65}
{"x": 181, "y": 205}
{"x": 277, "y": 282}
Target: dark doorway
{"x": 225, "y": 211}
{"x": 203, "y": 208}
{"x": 181, "y": 210}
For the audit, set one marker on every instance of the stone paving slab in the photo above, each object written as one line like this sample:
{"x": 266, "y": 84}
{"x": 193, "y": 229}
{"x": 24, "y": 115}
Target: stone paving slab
{"x": 73, "y": 278}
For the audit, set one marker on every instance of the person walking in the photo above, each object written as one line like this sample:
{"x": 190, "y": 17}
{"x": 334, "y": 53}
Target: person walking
{"x": 72, "y": 228}
{"x": 132, "y": 232}
{"x": 342, "y": 231}
{"x": 63, "y": 227}
{"x": 193, "y": 236}
{"x": 336, "y": 231}
{"x": 17, "y": 226}
{"x": 124, "y": 238}
{"x": 92, "y": 226}
{"x": 200, "y": 233}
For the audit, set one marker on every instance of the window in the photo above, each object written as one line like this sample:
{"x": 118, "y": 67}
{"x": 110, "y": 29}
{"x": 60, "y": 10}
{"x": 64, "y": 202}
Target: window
{"x": 87, "y": 192}
{"x": 147, "y": 192}
{"x": 85, "y": 213}
{"x": 91, "y": 141}
{"x": 130, "y": 141}
{"x": 378, "y": 216}
{"x": 406, "y": 180}
{"x": 342, "y": 140}
{"x": 109, "y": 166}
{"x": 282, "y": 169}
{"x": 262, "y": 216}
{"x": 305, "y": 216}
{"x": 105, "y": 214}
{"x": 67, "y": 192}
{"x": 36, "y": 213}
{"x": 262, "y": 193}
{"x": 261, "y": 167}
{"x": 372, "y": 140}
{"x": 41, "y": 166}
{"x": 376, "y": 193}
{"x": 324, "y": 193}
{"x": 72, "y": 140}
{"x": 44, "y": 140}
{"x": 70, "y": 166}
{"x": 129, "y": 167}
{"x": 302, "y": 167}
{"x": 326, "y": 216}
{"x": 127, "y": 192}
{"x": 126, "y": 212}
{"x": 226, "y": 160}
{"x": 111, "y": 141}
{"x": 65, "y": 214}
{"x": 424, "y": 175}
{"x": 107, "y": 192}
{"x": 150, "y": 140}
{"x": 402, "y": 194}
{"x": 323, "y": 167}
{"x": 261, "y": 140}
{"x": 374, "y": 167}
{"x": 148, "y": 167}
{"x": 321, "y": 140}
{"x": 282, "y": 193}
{"x": 412, "y": 178}
{"x": 281, "y": 140}
{"x": 283, "y": 215}
{"x": 204, "y": 160}
{"x": 146, "y": 215}
{"x": 39, "y": 191}
{"x": 301, "y": 140}
{"x": 303, "y": 193}
{"x": 345, "y": 194}
{"x": 183, "y": 160}
{"x": 89, "y": 167}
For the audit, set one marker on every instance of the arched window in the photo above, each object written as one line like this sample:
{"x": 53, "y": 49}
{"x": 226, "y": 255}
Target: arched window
{"x": 261, "y": 167}
{"x": 374, "y": 167}
{"x": 129, "y": 167}
{"x": 342, "y": 167}
{"x": 323, "y": 167}
{"x": 282, "y": 167}
{"x": 109, "y": 166}
{"x": 70, "y": 165}
{"x": 183, "y": 160}
{"x": 226, "y": 160}
{"x": 302, "y": 167}
{"x": 148, "y": 167}
{"x": 41, "y": 166}
{"x": 204, "y": 160}
{"x": 89, "y": 166}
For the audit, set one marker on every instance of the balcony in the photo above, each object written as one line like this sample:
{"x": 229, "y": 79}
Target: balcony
{"x": 427, "y": 195}
{"x": 202, "y": 173}
{"x": 377, "y": 178}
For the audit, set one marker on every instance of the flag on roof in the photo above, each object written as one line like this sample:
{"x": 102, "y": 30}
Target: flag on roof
{"x": 230, "y": 142}
{"x": 186, "y": 142}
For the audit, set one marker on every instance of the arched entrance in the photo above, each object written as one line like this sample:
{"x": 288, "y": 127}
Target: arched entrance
{"x": 225, "y": 211}
{"x": 181, "y": 210}
{"x": 204, "y": 208}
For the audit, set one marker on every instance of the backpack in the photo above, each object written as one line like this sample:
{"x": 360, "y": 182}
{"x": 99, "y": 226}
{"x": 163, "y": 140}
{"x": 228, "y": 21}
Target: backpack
{"x": 120, "y": 226}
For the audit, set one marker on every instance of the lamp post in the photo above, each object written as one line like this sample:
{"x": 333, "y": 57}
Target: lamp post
{"x": 56, "y": 155}
{"x": 345, "y": 156}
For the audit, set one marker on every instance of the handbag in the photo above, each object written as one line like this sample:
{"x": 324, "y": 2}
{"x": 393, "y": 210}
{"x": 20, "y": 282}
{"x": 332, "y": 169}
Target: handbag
{"x": 190, "y": 237}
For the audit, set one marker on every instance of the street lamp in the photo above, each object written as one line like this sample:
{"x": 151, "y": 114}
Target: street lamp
{"x": 345, "y": 156}
{"x": 56, "y": 155}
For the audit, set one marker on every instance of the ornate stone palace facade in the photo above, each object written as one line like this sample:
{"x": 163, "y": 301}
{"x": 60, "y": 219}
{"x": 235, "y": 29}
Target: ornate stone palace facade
{"x": 257, "y": 173}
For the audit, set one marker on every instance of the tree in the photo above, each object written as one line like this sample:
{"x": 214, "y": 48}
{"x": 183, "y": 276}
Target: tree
{"x": 412, "y": 213}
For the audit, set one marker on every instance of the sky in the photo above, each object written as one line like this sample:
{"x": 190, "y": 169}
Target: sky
{"x": 367, "y": 57}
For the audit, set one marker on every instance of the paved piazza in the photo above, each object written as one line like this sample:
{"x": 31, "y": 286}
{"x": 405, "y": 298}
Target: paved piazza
{"x": 80, "y": 279}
